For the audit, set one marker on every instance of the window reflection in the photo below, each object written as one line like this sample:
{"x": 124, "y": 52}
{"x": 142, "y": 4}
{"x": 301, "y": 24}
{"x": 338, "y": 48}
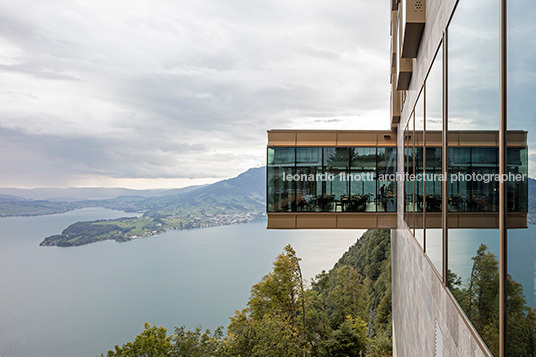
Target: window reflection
{"x": 386, "y": 188}
{"x": 433, "y": 182}
{"x": 473, "y": 104}
{"x": 521, "y": 317}
{"x": 517, "y": 191}
{"x": 280, "y": 195}
{"x": 334, "y": 179}
{"x": 308, "y": 192}
{"x": 466, "y": 192}
{"x": 336, "y": 161}
{"x": 363, "y": 193}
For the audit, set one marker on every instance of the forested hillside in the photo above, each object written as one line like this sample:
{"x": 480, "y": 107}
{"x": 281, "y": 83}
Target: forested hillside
{"x": 237, "y": 200}
{"x": 243, "y": 193}
{"x": 345, "y": 312}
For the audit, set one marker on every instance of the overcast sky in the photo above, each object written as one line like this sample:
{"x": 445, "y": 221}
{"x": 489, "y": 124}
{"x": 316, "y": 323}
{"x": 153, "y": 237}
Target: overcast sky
{"x": 168, "y": 93}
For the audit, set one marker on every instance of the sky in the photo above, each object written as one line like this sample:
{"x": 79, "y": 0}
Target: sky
{"x": 145, "y": 94}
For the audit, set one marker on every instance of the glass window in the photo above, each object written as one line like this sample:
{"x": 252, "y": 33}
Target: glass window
{"x": 331, "y": 179}
{"x": 433, "y": 179}
{"x": 521, "y": 333}
{"x": 419, "y": 170}
{"x": 363, "y": 191}
{"x": 280, "y": 191}
{"x": 473, "y": 278}
{"x": 472, "y": 187}
{"x": 473, "y": 104}
{"x": 433, "y": 158}
{"x": 434, "y": 94}
{"x": 335, "y": 190}
{"x": 518, "y": 188}
{"x": 473, "y": 75}
{"x": 308, "y": 189}
{"x": 408, "y": 170}
{"x": 386, "y": 166}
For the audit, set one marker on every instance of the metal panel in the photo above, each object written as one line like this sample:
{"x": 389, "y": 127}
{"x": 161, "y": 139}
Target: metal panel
{"x": 281, "y": 221}
{"x": 413, "y": 18}
{"x": 281, "y": 138}
{"x": 316, "y": 138}
{"x": 360, "y": 220}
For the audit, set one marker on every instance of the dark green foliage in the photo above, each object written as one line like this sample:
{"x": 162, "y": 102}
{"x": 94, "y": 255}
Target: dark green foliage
{"x": 480, "y": 301}
{"x": 273, "y": 323}
{"x": 197, "y": 343}
{"x": 89, "y": 232}
{"x": 152, "y": 342}
{"x": 350, "y": 339}
{"x": 370, "y": 256}
{"x": 345, "y": 313}
{"x": 12, "y": 207}
{"x": 236, "y": 200}
{"x": 83, "y": 233}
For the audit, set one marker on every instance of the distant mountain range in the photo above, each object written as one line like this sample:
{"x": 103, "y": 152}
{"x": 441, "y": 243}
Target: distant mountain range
{"x": 242, "y": 193}
{"x": 246, "y": 192}
{"x": 74, "y": 194}
{"x": 237, "y": 200}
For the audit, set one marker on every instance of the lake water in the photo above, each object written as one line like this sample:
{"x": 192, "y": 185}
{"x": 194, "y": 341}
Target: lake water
{"x": 463, "y": 246}
{"x": 81, "y": 301}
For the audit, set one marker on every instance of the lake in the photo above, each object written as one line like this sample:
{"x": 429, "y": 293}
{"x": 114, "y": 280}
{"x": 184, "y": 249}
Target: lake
{"x": 463, "y": 246}
{"x": 81, "y": 301}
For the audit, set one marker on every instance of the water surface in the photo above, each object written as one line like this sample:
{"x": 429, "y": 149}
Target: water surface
{"x": 80, "y": 301}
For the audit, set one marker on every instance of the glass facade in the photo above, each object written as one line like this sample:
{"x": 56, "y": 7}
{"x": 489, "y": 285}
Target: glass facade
{"x": 473, "y": 104}
{"x": 460, "y": 94}
{"x": 331, "y": 179}
{"x": 418, "y": 183}
{"x": 433, "y": 233}
{"x": 282, "y": 192}
{"x": 521, "y": 243}
{"x": 471, "y": 188}
{"x": 471, "y": 77}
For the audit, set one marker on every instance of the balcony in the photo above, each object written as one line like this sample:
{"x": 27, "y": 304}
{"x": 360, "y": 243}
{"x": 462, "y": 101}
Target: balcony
{"x": 331, "y": 179}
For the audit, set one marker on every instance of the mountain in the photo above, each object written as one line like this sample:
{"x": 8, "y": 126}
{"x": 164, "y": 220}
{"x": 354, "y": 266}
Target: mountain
{"x": 243, "y": 193}
{"x": 74, "y": 194}
{"x": 11, "y": 198}
{"x": 246, "y": 192}
{"x": 237, "y": 200}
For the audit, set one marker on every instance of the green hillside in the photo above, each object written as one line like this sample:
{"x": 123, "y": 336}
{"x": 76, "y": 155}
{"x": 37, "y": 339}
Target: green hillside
{"x": 237, "y": 200}
{"x": 346, "y": 312}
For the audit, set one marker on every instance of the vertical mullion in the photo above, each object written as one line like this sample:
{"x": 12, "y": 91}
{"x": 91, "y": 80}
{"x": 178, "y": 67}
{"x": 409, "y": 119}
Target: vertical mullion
{"x": 424, "y": 171}
{"x": 376, "y": 180}
{"x": 444, "y": 160}
{"x": 503, "y": 237}
{"x": 294, "y": 206}
{"x": 413, "y": 201}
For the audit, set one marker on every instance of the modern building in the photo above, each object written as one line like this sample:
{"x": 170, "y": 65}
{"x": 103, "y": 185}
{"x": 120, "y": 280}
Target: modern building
{"x": 450, "y": 178}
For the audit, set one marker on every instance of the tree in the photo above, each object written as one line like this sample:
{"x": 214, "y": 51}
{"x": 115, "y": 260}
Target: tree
{"x": 196, "y": 343}
{"x": 345, "y": 313}
{"x": 275, "y": 318}
{"x": 480, "y": 301}
{"x": 152, "y": 342}
{"x": 350, "y": 339}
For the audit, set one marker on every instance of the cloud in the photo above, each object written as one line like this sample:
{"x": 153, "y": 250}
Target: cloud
{"x": 128, "y": 89}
